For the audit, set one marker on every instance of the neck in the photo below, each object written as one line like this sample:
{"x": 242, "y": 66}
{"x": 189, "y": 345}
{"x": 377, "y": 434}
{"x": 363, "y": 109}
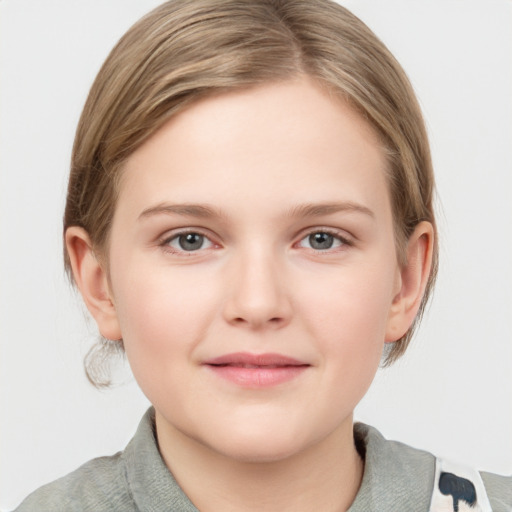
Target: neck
{"x": 325, "y": 476}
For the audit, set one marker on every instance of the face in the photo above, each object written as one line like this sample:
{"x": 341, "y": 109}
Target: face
{"x": 253, "y": 269}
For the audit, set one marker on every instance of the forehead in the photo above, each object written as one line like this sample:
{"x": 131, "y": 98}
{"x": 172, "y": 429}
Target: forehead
{"x": 291, "y": 140}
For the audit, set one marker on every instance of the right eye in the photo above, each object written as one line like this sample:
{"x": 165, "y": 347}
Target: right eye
{"x": 188, "y": 242}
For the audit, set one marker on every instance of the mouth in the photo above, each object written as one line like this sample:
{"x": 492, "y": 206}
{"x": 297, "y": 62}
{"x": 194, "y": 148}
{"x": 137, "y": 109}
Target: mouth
{"x": 256, "y": 370}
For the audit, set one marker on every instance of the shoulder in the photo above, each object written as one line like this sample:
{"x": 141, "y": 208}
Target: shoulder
{"x": 132, "y": 480}
{"x": 99, "y": 485}
{"x": 398, "y": 477}
{"x": 499, "y": 490}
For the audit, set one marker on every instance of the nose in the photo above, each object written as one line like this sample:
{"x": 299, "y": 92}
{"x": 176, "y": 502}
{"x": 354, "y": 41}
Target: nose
{"x": 257, "y": 293}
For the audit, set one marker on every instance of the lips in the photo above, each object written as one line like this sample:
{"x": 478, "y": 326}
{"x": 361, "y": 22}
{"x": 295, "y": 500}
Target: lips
{"x": 256, "y": 370}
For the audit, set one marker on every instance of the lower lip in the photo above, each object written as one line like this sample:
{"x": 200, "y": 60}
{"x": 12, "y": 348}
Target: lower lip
{"x": 261, "y": 377}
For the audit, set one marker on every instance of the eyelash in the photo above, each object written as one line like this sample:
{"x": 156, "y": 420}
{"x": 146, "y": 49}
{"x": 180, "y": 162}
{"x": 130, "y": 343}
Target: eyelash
{"x": 344, "y": 240}
{"x": 165, "y": 242}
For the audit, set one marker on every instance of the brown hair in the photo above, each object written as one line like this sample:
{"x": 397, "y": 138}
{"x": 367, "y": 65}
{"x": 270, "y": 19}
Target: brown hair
{"x": 187, "y": 49}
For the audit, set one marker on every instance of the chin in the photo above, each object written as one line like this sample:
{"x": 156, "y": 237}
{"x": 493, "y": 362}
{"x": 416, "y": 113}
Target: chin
{"x": 260, "y": 445}
{"x": 261, "y": 454}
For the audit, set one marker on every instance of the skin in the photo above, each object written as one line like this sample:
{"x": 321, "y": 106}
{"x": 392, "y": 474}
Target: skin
{"x": 262, "y": 164}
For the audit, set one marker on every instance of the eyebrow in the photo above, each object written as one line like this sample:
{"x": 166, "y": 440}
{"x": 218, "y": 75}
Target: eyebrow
{"x": 319, "y": 209}
{"x": 300, "y": 211}
{"x": 185, "y": 209}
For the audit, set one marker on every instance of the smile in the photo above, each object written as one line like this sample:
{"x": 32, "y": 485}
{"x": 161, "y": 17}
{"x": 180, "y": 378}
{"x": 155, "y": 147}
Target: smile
{"x": 256, "y": 370}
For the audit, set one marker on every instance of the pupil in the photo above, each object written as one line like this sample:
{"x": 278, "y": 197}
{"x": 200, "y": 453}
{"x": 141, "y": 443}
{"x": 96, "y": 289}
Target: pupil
{"x": 191, "y": 241}
{"x": 321, "y": 240}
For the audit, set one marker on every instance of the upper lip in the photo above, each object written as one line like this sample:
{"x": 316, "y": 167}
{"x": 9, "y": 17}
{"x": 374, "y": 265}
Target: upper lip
{"x": 254, "y": 360}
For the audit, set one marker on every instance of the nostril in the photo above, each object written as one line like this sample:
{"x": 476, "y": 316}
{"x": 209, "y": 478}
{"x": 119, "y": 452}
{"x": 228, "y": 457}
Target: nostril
{"x": 276, "y": 321}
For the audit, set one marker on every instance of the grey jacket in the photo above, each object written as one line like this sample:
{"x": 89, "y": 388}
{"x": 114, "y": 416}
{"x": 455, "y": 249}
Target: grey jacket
{"x": 396, "y": 478}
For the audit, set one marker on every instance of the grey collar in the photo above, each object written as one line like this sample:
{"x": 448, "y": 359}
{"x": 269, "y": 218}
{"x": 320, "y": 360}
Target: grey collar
{"x": 396, "y": 476}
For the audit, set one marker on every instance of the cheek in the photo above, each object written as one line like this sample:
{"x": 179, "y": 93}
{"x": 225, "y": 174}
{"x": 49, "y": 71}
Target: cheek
{"x": 157, "y": 311}
{"x": 353, "y": 302}
{"x": 346, "y": 313}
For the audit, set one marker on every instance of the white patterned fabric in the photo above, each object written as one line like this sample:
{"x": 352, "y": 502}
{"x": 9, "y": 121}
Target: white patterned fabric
{"x": 458, "y": 489}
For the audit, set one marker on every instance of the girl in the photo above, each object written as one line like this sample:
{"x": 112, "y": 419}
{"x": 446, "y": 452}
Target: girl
{"x": 249, "y": 216}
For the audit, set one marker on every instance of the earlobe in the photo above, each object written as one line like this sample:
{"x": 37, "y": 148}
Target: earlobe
{"x": 412, "y": 279}
{"x": 92, "y": 281}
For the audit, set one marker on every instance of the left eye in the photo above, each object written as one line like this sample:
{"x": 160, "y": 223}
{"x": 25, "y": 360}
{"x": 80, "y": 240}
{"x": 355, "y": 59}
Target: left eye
{"x": 189, "y": 242}
{"x": 322, "y": 241}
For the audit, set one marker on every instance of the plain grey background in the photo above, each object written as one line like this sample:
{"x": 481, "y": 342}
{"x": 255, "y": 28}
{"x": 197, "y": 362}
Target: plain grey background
{"x": 451, "y": 394}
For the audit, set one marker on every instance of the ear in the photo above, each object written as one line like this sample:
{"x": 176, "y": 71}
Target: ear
{"x": 92, "y": 281}
{"x": 411, "y": 281}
